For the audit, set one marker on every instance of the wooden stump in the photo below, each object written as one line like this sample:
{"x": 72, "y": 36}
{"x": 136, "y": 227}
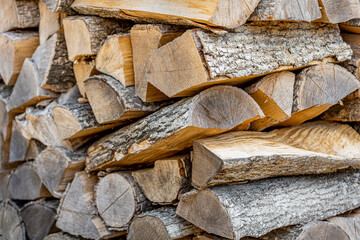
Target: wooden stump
{"x": 11, "y": 223}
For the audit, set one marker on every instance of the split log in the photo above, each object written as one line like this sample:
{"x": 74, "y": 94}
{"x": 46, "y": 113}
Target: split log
{"x": 351, "y": 26}
{"x": 59, "y": 5}
{"x": 228, "y": 58}
{"x": 345, "y": 111}
{"x": 144, "y": 39}
{"x": 317, "y": 88}
{"x": 233, "y": 211}
{"x": 83, "y": 69}
{"x": 27, "y": 90}
{"x": 18, "y": 14}
{"x": 119, "y": 199}
{"x": 76, "y": 214}
{"x": 228, "y": 14}
{"x": 166, "y": 181}
{"x": 4, "y": 179}
{"x": 115, "y": 58}
{"x": 50, "y": 22}
{"x": 274, "y": 94}
{"x": 5, "y": 117}
{"x": 55, "y": 70}
{"x": 354, "y": 41}
{"x": 57, "y": 167}
{"x": 111, "y": 102}
{"x": 349, "y": 223}
{"x": 61, "y": 236}
{"x": 172, "y": 129}
{"x": 338, "y": 11}
{"x": 286, "y": 10}
{"x": 39, "y": 218}
{"x": 84, "y": 34}
{"x": 244, "y": 156}
{"x": 25, "y": 184}
{"x": 15, "y": 46}
{"x": 11, "y": 223}
{"x": 160, "y": 224}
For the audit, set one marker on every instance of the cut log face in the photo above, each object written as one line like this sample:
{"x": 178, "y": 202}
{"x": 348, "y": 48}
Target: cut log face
{"x": 50, "y": 22}
{"x": 226, "y": 57}
{"x": 25, "y": 184}
{"x": 18, "y": 14}
{"x": 338, "y": 11}
{"x": 349, "y": 223}
{"x": 274, "y": 94}
{"x": 161, "y": 224}
{"x": 351, "y": 26}
{"x": 111, "y": 102}
{"x": 164, "y": 183}
{"x": 57, "y": 167}
{"x": 233, "y": 211}
{"x": 318, "y": 88}
{"x": 83, "y": 69}
{"x": 15, "y": 46}
{"x": 61, "y": 236}
{"x": 91, "y": 31}
{"x": 4, "y": 179}
{"x": 172, "y": 129}
{"x": 244, "y": 156}
{"x": 224, "y": 13}
{"x": 44, "y": 214}
{"x": 11, "y": 223}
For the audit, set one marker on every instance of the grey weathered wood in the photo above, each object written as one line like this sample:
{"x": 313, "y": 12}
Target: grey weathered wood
{"x": 160, "y": 224}
{"x": 233, "y": 211}
{"x": 61, "y": 236}
{"x": 59, "y": 5}
{"x": 4, "y": 178}
{"x": 346, "y": 111}
{"x": 349, "y": 223}
{"x": 50, "y": 22}
{"x": 11, "y": 223}
{"x": 172, "y": 129}
{"x": 338, "y": 11}
{"x": 5, "y": 117}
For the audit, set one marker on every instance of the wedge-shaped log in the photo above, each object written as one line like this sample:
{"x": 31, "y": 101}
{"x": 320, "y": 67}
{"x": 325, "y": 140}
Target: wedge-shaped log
{"x": 166, "y": 181}
{"x": 57, "y": 167}
{"x": 161, "y": 224}
{"x": 274, "y": 94}
{"x": 351, "y": 26}
{"x": 230, "y": 58}
{"x": 11, "y": 223}
{"x": 172, "y": 129}
{"x": 25, "y": 184}
{"x": 111, "y": 102}
{"x": 233, "y": 211}
{"x": 243, "y": 156}
{"x": 5, "y": 117}
{"x": 18, "y": 14}
{"x": 338, "y": 11}
{"x": 84, "y": 34}
{"x": 225, "y": 13}
{"x": 59, "y": 5}
{"x": 15, "y": 46}
{"x": 61, "y": 236}
{"x": 50, "y": 22}
{"x": 83, "y": 69}
{"x": 39, "y": 218}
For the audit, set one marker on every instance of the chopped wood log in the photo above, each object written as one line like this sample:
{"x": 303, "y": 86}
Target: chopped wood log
{"x": 338, "y": 11}
{"x": 11, "y": 223}
{"x": 172, "y": 129}
{"x": 119, "y": 199}
{"x": 317, "y": 88}
{"x": 5, "y": 117}
{"x": 4, "y": 179}
{"x": 39, "y": 218}
{"x": 76, "y": 214}
{"x": 57, "y": 167}
{"x": 286, "y": 10}
{"x": 115, "y": 58}
{"x": 228, "y": 14}
{"x": 351, "y": 26}
{"x": 233, "y": 211}
{"x": 161, "y": 224}
{"x": 55, "y": 70}
{"x": 59, "y": 5}
{"x": 274, "y": 94}
{"x": 111, "y": 102}
{"x": 228, "y": 57}
{"x": 354, "y": 41}
{"x": 50, "y": 22}
{"x": 144, "y": 39}
{"x": 345, "y": 111}
{"x": 83, "y": 69}
{"x": 349, "y": 223}
{"x": 61, "y": 236}
{"x": 166, "y": 181}
{"x": 16, "y": 14}
{"x": 84, "y": 34}
{"x": 25, "y": 184}
{"x": 15, "y": 46}
{"x": 244, "y": 156}
{"x": 27, "y": 90}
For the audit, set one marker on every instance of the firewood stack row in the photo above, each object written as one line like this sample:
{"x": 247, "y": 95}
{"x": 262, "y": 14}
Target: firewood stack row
{"x": 177, "y": 119}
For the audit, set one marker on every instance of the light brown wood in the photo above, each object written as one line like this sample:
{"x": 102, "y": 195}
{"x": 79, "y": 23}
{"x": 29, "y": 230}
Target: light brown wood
{"x": 83, "y": 69}
{"x": 338, "y": 11}
{"x": 15, "y": 46}
{"x": 11, "y": 223}
{"x": 50, "y": 22}
{"x": 172, "y": 129}
{"x": 351, "y": 26}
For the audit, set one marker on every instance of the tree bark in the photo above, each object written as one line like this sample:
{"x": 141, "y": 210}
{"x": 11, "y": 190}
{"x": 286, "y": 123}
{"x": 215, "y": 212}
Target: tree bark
{"x": 354, "y": 41}
{"x": 233, "y": 211}
{"x": 172, "y": 129}
{"x": 83, "y": 69}
{"x": 338, "y": 11}
{"x": 50, "y": 22}
{"x": 62, "y": 6}
{"x": 346, "y": 111}
{"x": 207, "y": 59}
{"x": 11, "y": 223}
{"x": 166, "y": 181}
{"x": 351, "y": 26}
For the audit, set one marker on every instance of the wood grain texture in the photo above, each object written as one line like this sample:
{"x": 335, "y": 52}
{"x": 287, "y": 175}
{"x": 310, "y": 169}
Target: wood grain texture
{"x": 61, "y": 236}
{"x": 5, "y": 117}
{"x": 11, "y": 223}
{"x": 50, "y": 22}
{"x": 351, "y": 26}
{"x": 62, "y": 6}
{"x": 338, "y": 11}
{"x": 83, "y": 69}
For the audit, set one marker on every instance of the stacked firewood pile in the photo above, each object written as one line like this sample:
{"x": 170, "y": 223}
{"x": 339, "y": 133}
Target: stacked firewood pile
{"x": 179, "y": 119}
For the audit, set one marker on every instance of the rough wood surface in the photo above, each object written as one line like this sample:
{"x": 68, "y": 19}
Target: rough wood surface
{"x": 4, "y": 179}
{"x": 111, "y": 102}
{"x": 57, "y": 167}
{"x": 50, "y": 22}
{"x": 346, "y": 111}
{"x": 349, "y": 223}
{"x": 15, "y": 46}
{"x": 351, "y": 26}
{"x": 338, "y": 11}
{"x": 18, "y": 14}
{"x": 233, "y": 211}
{"x": 163, "y": 183}
{"x": 59, "y": 5}
{"x": 83, "y": 69}
{"x": 206, "y": 59}
{"x": 244, "y": 156}
{"x": 160, "y": 224}
{"x": 11, "y": 223}
{"x": 61, "y": 236}
{"x": 354, "y": 41}
{"x": 172, "y": 129}
{"x": 5, "y": 117}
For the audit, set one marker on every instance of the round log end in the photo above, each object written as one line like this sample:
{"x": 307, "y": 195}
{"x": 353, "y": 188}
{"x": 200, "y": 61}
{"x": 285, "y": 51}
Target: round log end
{"x": 66, "y": 122}
{"x": 147, "y": 228}
{"x": 11, "y": 223}
{"x": 323, "y": 230}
